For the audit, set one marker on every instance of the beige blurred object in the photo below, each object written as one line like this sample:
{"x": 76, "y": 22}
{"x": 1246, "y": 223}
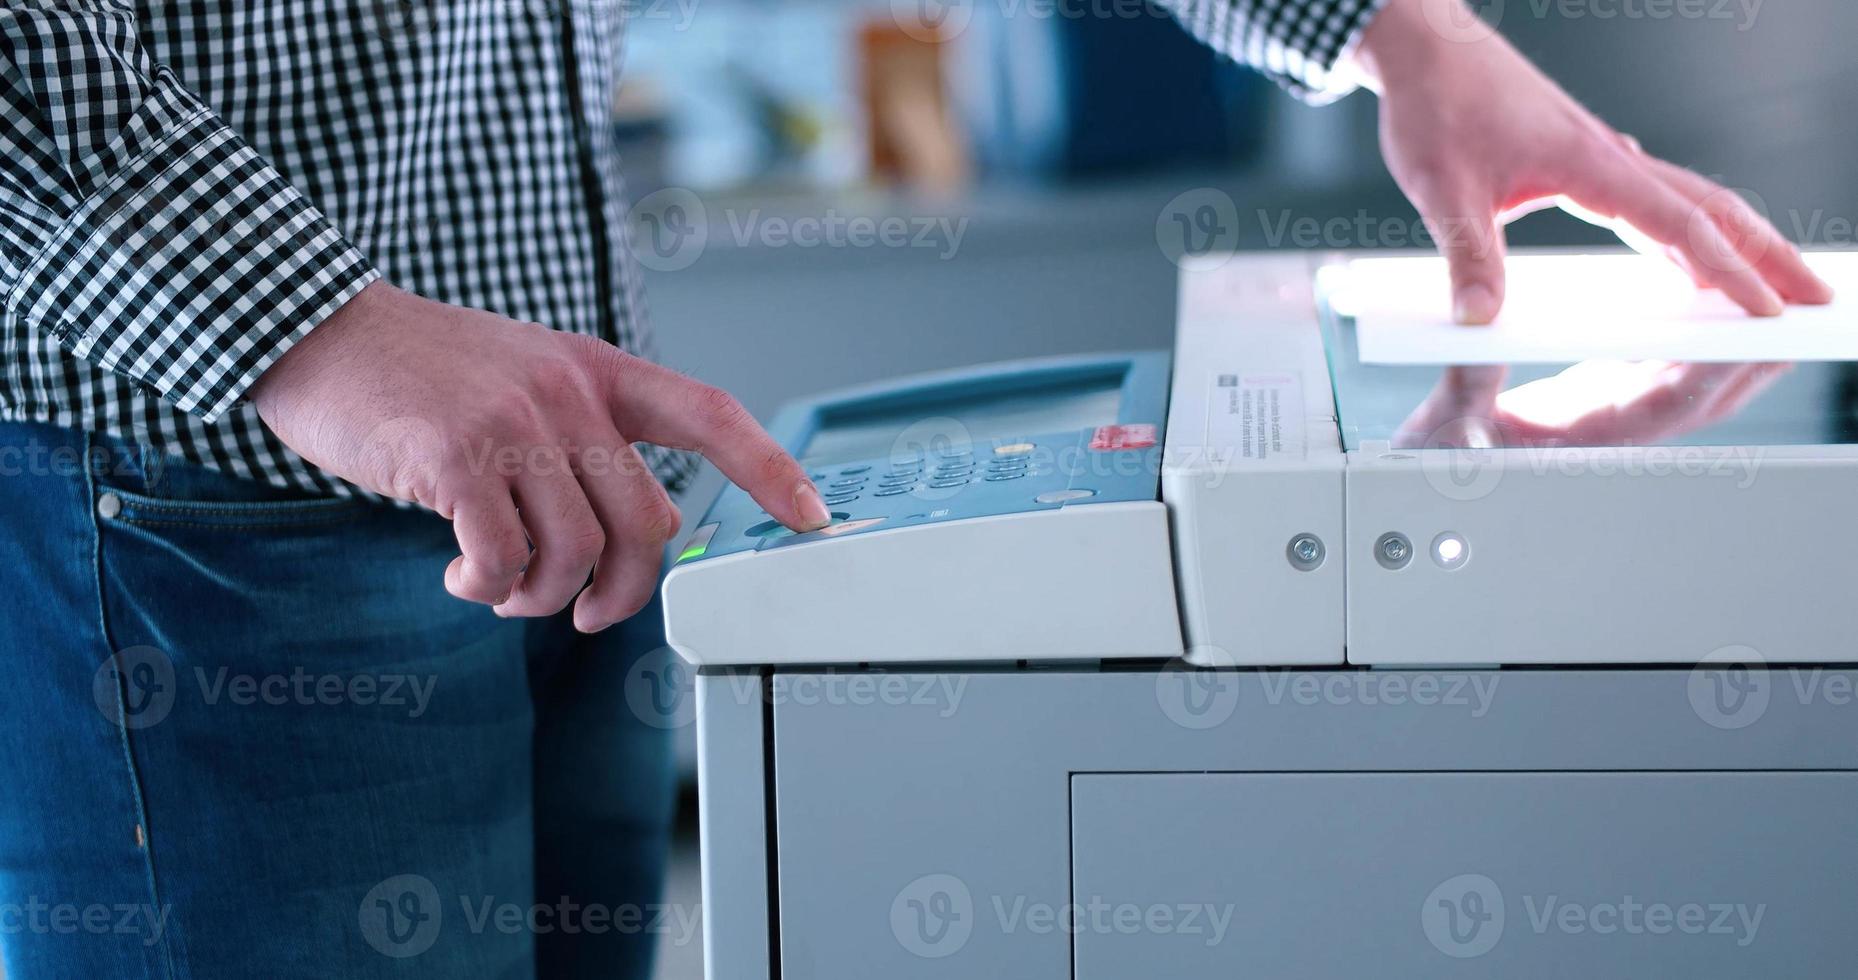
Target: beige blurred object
{"x": 913, "y": 137}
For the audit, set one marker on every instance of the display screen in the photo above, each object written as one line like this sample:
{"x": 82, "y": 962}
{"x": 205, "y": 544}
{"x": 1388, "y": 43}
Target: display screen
{"x": 926, "y": 425}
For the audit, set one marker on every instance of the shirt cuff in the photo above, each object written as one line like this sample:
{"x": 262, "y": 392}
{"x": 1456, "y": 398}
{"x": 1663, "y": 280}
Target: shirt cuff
{"x": 1327, "y": 72}
{"x": 1303, "y": 45}
{"x": 193, "y": 269}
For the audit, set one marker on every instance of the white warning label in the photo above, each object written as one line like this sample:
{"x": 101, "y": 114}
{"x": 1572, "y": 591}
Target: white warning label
{"x": 1256, "y": 416}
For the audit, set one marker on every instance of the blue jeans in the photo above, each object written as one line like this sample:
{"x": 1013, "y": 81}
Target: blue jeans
{"x": 246, "y": 733}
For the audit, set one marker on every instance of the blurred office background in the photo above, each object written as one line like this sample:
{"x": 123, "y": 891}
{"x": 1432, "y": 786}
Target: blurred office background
{"x": 832, "y": 191}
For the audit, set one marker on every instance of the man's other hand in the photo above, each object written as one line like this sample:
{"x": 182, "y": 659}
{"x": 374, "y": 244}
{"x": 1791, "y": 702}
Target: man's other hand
{"x": 1477, "y": 136}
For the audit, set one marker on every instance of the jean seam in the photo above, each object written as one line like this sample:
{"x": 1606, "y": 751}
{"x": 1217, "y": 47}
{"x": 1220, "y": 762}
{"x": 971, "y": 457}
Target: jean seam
{"x": 92, "y": 492}
{"x": 237, "y": 525}
{"x": 235, "y": 508}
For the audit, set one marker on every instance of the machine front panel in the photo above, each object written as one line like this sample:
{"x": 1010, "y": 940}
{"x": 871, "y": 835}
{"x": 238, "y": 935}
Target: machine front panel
{"x": 1005, "y": 440}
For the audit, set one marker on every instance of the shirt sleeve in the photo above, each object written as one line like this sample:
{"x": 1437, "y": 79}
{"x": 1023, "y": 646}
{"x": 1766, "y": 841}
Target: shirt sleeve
{"x": 137, "y": 227}
{"x": 1298, "y": 43}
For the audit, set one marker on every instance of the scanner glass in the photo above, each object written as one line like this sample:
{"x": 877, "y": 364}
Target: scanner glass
{"x": 1611, "y": 403}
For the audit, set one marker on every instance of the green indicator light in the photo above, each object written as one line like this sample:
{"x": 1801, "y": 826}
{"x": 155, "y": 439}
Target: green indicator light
{"x": 698, "y": 543}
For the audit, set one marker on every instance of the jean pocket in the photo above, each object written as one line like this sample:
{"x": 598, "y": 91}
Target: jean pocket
{"x": 280, "y": 512}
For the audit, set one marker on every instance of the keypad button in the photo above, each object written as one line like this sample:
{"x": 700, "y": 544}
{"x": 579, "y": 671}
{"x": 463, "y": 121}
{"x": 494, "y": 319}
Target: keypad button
{"x": 1020, "y": 449}
{"x": 854, "y": 470}
{"x": 891, "y": 491}
{"x": 946, "y": 484}
{"x": 1001, "y": 477}
{"x": 848, "y": 484}
{"x": 766, "y": 529}
{"x": 905, "y": 483}
{"x": 844, "y": 498}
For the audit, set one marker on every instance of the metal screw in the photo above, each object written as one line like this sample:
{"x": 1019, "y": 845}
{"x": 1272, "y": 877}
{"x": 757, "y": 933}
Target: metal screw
{"x": 1305, "y": 552}
{"x": 1393, "y": 551}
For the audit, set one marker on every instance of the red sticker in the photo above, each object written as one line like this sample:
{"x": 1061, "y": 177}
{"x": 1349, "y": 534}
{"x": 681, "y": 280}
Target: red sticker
{"x": 1108, "y": 437}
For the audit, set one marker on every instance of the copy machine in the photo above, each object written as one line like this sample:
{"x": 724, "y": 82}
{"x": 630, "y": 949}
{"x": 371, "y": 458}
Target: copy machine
{"x": 1265, "y": 659}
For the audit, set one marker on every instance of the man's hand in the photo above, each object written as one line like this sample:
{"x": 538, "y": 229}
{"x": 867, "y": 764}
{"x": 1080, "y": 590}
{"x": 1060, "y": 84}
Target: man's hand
{"x": 522, "y": 437}
{"x": 1477, "y": 136}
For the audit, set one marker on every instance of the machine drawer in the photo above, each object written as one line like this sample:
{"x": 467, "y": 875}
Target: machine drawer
{"x": 1516, "y": 875}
